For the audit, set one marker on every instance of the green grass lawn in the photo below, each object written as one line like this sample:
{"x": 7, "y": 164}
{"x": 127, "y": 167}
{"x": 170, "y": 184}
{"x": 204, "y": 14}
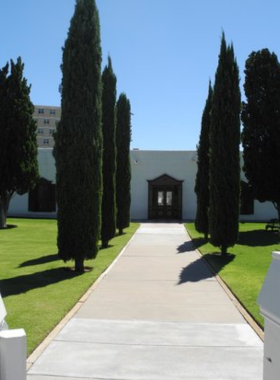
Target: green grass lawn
{"x": 37, "y": 287}
{"x": 245, "y": 268}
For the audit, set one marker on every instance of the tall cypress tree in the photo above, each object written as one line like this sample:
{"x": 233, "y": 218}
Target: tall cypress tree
{"x": 18, "y": 145}
{"x": 224, "y": 152}
{"x": 78, "y": 141}
{"x": 109, "y": 81}
{"x": 123, "y": 177}
{"x": 202, "y": 175}
{"x": 261, "y": 121}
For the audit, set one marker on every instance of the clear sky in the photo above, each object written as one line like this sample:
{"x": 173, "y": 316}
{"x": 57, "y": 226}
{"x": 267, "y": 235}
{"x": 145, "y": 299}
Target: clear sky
{"x": 163, "y": 51}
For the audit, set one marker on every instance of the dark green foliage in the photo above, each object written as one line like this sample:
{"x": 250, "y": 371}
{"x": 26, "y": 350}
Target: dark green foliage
{"x": 18, "y": 144}
{"x": 261, "y": 120}
{"x": 123, "y": 177}
{"x": 202, "y": 176}
{"x": 109, "y": 81}
{"x": 78, "y": 141}
{"x": 224, "y": 152}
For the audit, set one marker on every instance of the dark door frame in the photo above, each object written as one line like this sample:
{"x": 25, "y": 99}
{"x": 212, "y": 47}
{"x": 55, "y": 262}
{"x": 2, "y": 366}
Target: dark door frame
{"x": 165, "y": 184}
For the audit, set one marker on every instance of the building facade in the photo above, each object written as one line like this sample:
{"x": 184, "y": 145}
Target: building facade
{"x": 162, "y": 188}
{"x": 46, "y": 118}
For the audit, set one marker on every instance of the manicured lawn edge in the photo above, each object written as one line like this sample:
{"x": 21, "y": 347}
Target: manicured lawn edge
{"x": 245, "y": 269}
{"x": 38, "y": 289}
{"x": 237, "y": 303}
{"x": 37, "y": 352}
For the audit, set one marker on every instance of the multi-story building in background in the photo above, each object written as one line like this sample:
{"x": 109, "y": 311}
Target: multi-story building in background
{"x": 46, "y": 118}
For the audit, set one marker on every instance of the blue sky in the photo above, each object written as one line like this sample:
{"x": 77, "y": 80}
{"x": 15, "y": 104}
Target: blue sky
{"x": 163, "y": 51}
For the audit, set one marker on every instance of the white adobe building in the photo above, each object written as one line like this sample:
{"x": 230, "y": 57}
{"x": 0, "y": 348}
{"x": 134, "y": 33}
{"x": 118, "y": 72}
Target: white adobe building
{"x": 162, "y": 187}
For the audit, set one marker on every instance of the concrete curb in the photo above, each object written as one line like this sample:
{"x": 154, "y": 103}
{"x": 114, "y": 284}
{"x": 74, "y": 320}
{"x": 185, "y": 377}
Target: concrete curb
{"x": 50, "y": 337}
{"x": 234, "y": 300}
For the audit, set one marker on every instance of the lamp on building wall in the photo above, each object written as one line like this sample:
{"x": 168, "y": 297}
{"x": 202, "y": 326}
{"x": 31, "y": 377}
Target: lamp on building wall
{"x": 194, "y": 157}
{"x": 135, "y": 159}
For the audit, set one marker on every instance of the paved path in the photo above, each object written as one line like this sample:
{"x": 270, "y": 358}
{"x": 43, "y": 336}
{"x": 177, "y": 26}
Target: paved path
{"x": 158, "y": 314}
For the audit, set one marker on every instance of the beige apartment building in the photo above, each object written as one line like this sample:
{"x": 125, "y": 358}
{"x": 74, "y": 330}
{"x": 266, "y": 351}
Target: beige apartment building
{"x": 46, "y": 118}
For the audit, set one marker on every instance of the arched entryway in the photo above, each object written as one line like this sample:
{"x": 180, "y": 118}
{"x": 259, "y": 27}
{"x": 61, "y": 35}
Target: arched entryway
{"x": 165, "y": 198}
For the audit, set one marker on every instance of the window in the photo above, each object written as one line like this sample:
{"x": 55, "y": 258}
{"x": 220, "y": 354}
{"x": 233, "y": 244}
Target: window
{"x": 41, "y": 110}
{"x": 51, "y": 131}
{"x": 46, "y": 141}
{"x": 46, "y": 121}
{"x": 169, "y": 198}
{"x": 246, "y": 199}
{"x": 42, "y": 198}
{"x": 40, "y": 131}
{"x": 52, "y": 112}
{"x": 160, "y": 200}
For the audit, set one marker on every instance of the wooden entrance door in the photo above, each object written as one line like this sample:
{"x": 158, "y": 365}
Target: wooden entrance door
{"x": 165, "y": 198}
{"x": 163, "y": 203}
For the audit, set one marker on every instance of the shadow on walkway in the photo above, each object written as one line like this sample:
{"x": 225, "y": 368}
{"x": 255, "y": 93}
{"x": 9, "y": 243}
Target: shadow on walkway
{"x": 198, "y": 270}
{"x": 191, "y": 245}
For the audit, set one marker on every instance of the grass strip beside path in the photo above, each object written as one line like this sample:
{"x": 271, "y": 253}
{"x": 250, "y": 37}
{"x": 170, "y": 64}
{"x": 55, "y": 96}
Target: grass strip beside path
{"x": 245, "y": 269}
{"x": 38, "y": 288}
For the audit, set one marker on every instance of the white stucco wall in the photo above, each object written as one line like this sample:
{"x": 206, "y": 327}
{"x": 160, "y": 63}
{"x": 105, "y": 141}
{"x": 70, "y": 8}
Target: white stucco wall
{"x": 146, "y": 165}
{"x": 46, "y": 164}
{"x": 181, "y": 165}
{"x": 262, "y": 212}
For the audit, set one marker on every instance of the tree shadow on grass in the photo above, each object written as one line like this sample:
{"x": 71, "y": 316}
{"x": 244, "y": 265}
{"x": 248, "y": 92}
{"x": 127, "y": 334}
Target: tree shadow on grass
{"x": 259, "y": 238}
{"x": 120, "y": 235}
{"x": 22, "y": 284}
{"x": 9, "y": 227}
{"x": 191, "y": 245}
{"x": 101, "y": 248}
{"x": 40, "y": 260}
{"x": 198, "y": 270}
{"x": 218, "y": 262}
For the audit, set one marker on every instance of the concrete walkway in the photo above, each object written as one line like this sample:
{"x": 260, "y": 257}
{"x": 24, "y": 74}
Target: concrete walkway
{"x": 158, "y": 314}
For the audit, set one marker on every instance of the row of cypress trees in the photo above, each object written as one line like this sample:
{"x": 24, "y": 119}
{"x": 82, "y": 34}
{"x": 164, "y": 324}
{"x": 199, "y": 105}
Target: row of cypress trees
{"x": 85, "y": 151}
{"x": 116, "y": 165}
{"x": 218, "y": 177}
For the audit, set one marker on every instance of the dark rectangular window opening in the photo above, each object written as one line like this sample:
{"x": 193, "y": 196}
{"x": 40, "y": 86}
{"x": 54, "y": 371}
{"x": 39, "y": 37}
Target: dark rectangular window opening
{"x": 246, "y": 199}
{"x": 42, "y": 198}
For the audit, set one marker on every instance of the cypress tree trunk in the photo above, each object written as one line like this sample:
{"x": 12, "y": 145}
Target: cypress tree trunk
{"x": 4, "y": 206}
{"x": 79, "y": 265}
{"x": 5, "y": 199}
{"x": 224, "y": 250}
{"x": 78, "y": 139}
{"x": 225, "y": 157}
{"x": 2, "y": 217}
